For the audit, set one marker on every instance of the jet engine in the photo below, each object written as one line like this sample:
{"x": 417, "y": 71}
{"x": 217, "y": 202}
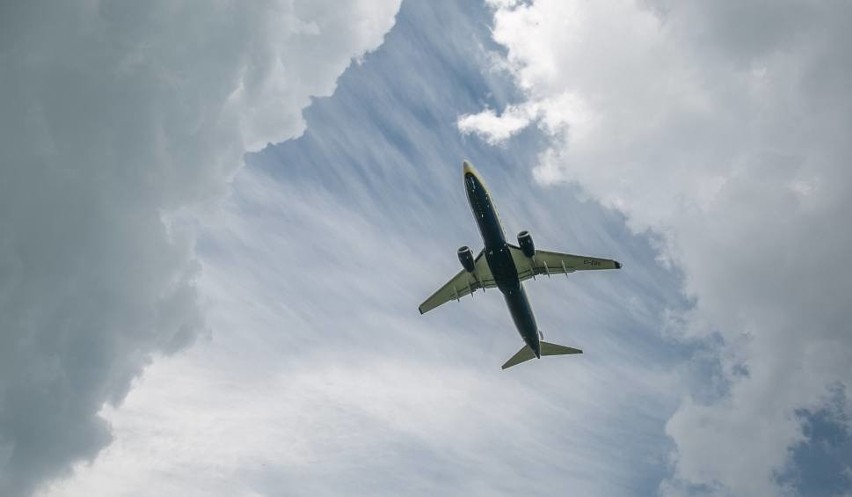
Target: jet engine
{"x": 466, "y": 258}
{"x": 526, "y": 243}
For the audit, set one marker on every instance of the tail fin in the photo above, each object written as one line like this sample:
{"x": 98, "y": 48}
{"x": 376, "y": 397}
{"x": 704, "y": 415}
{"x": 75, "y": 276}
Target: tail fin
{"x": 526, "y": 353}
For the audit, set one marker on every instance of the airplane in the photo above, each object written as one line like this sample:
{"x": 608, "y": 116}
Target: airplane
{"x": 506, "y": 266}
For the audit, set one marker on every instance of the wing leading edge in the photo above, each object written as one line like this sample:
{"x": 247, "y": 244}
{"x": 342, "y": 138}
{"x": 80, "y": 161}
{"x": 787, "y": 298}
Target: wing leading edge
{"x": 462, "y": 284}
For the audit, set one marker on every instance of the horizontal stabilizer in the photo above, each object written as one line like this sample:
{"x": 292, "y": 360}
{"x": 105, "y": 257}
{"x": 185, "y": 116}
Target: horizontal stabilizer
{"x": 553, "y": 349}
{"x": 547, "y": 348}
{"x": 523, "y": 355}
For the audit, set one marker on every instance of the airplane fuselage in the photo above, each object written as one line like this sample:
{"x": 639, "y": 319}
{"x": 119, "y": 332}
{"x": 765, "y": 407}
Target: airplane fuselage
{"x": 500, "y": 258}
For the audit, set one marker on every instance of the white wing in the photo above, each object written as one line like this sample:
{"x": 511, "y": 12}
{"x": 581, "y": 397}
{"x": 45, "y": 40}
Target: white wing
{"x": 544, "y": 262}
{"x": 463, "y": 283}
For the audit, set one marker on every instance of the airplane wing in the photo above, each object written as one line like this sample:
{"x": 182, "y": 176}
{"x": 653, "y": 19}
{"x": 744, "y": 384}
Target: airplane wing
{"x": 544, "y": 262}
{"x": 463, "y": 283}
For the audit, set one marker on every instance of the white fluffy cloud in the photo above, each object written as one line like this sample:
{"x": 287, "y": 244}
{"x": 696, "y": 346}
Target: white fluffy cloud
{"x": 114, "y": 115}
{"x": 723, "y": 127}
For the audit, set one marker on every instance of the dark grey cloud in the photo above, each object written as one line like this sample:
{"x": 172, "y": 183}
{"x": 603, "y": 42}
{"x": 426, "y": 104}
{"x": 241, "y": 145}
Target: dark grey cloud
{"x": 114, "y": 116}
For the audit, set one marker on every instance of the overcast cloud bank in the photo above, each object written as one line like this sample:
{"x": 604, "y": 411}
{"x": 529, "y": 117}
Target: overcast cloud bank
{"x": 115, "y": 115}
{"x": 723, "y": 127}
{"x": 721, "y": 130}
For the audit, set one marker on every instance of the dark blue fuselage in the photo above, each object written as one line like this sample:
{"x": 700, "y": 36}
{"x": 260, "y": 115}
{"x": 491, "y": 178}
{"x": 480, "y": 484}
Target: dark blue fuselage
{"x": 500, "y": 259}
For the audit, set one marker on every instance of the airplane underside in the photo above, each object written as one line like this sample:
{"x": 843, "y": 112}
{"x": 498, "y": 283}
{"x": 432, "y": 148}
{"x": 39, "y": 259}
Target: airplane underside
{"x": 506, "y": 266}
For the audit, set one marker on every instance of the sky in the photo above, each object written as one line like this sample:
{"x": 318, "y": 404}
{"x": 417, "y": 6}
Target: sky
{"x": 219, "y": 220}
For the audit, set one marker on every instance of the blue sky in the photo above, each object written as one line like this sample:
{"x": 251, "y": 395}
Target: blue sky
{"x": 383, "y": 154}
{"x": 218, "y": 329}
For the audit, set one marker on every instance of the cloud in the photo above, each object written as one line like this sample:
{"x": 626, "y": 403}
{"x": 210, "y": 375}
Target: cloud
{"x": 322, "y": 378}
{"x": 723, "y": 128}
{"x": 497, "y": 129}
{"x": 115, "y": 116}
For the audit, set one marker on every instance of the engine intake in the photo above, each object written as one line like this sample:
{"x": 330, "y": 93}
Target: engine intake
{"x": 466, "y": 258}
{"x": 525, "y": 241}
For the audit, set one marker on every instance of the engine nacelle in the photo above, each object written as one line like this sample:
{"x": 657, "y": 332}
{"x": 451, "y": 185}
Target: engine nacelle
{"x": 466, "y": 258}
{"x": 526, "y": 243}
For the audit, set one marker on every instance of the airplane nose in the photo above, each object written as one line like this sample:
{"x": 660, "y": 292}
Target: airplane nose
{"x": 467, "y": 167}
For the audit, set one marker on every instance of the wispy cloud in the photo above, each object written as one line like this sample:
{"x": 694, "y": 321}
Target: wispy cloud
{"x": 321, "y": 378}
